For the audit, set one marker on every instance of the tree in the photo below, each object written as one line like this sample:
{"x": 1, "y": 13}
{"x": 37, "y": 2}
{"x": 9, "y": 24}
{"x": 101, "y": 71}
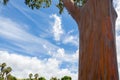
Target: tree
{"x": 41, "y": 78}
{"x": 4, "y": 1}
{"x": 36, "y": 76}
{"x": 30, "y": 76}
{"x": 66, "y": 78}
{"x": 4, "y": 74}
{"x": 2, "y": 66}
{"x": 8, "y": 70}
{"x": 10, "y": 77}
{"x": 54, "y": 78}
{"x": 96, "y": 25}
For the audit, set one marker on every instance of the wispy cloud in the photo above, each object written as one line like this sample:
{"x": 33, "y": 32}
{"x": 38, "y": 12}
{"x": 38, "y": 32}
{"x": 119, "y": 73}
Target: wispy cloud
{"x": 16, "y": 34}
{"x": 29, "y": 43}
{"x": 57, "y": 27}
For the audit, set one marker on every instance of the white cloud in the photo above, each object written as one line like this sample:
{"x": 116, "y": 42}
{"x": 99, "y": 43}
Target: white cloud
{"x": 23, "y": 65}
{"x": 17, "y": 34}
{"x": 118, "y": 51}
{"x": 63, "y": 56}
{"x": 117, "y": 7}
{"x": 60, "y": 34}
{"x": 57, "y": 27}
{"x": 118, "y": 44}
{"x": 118, "y": 13}
{"x": 71, "y": 39}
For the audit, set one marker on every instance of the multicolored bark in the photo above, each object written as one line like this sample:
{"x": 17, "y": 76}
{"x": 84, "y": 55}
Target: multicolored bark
{"x": 97, "y": 51}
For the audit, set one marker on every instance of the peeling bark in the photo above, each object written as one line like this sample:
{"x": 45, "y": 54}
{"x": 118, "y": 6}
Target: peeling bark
{"x": 97, "y": 51}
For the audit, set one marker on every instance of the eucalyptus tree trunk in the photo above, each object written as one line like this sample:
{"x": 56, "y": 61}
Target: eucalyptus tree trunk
{"x": 97, "y": 50}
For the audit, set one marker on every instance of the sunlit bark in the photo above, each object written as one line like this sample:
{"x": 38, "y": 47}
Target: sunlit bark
{"x": 97, "y": 51}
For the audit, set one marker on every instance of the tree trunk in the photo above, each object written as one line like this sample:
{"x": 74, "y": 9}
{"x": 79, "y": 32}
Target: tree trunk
{"x": 97, "y": 51}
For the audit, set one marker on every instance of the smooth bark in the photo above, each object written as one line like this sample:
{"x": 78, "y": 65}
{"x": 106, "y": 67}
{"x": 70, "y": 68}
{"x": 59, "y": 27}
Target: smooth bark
{"x": 97, "y": 50}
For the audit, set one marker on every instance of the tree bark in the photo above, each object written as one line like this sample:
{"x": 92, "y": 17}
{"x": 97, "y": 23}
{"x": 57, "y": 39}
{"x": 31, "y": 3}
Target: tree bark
{"x": 97, "y": 50}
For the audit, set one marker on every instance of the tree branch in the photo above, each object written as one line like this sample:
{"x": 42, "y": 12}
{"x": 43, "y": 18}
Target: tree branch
{"x": 72, "y": 8}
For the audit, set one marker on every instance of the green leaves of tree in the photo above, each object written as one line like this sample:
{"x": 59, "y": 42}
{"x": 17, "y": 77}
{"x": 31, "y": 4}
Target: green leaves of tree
{"x": 47, "y": 3}
{"x": 4, "y": 1}
{"x": 60, "y": 6}
{"x": 38, "y": 3}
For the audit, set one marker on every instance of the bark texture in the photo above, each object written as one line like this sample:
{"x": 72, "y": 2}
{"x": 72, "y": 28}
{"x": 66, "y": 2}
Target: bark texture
{"x": 97, "y": 51}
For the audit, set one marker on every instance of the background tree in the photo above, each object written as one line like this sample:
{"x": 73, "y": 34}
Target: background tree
{"x": 54, "y": 78}
{"x": 41, "y": 78}
{"x": 96, "y": 25}
{"x": 36, "y": 76}
{"x": 4, "y": 1}
{"x": 5, "y": 72}
{"x": 66, "y": 78}
{"x": 3, "y": 65}
{"x": 30, "y": 76}
{"x": 8, "y": 70}
{"x": 10, "y": 77}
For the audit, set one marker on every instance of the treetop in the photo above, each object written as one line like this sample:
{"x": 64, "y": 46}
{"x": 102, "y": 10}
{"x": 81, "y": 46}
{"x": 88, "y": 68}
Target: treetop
{"x": 47, "y": 3}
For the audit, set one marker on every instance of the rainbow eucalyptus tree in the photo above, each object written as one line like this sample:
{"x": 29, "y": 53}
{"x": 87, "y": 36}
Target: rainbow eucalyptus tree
{"x": 96, "y": 25}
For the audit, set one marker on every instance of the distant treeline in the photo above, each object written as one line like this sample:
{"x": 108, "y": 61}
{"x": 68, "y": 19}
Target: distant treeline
{"x": 5, "y": 75}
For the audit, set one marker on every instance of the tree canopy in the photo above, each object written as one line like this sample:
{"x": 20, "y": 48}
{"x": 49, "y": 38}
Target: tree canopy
{"x": 47, "y": 3}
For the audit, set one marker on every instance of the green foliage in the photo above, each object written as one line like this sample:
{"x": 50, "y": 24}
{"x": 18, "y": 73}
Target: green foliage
{"x": 30, "y": 76}
{"x": 38, "y": 3}
{"x": 66, "y": 78}
{"x": 60, "y": 6}
{"x": 4, "y": 1}
{"x": 6, "y": 71}
{"x": 36, "y": 76}
{"x": 54, "y": 78}
{"x": 2, "y": 66}
{"x": 1, "y": 78}
{"x": 5, "y": 75}
{"x": 41, "y": 78}
{"x": 10, "y": 77}
{"x": 47, "y": 3}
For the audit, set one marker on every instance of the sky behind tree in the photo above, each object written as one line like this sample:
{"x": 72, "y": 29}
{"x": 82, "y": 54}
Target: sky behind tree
{"x": 41, "y": 41}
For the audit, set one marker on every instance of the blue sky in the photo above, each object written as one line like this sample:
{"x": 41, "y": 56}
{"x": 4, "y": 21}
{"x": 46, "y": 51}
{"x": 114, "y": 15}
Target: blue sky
{"x": 41, "y": 41}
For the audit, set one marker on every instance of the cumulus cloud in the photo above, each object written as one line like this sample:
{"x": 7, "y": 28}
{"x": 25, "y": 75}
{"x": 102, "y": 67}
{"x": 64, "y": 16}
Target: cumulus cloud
{"x": 23, "y": 65}
{"x": 73, "y": 40}
{"x": 63, "y": 56}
